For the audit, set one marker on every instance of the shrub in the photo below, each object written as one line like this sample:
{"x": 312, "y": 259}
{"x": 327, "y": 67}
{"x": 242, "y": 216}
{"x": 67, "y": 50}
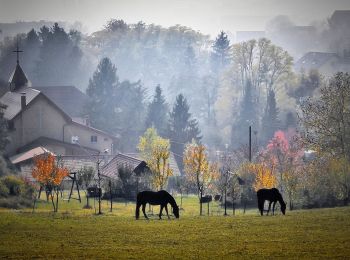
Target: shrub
{"x": 4, "y": 191}
{"x": 15, "y": 202}
{"x": 15, "y": 192}
{"x": 4, "y": 170}
{"x": 29, "y": 189}
{"x": 14, "y": 184}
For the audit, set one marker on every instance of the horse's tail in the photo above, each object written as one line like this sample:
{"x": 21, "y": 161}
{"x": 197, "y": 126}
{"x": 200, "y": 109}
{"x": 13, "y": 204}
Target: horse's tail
{"x": 137, "y": 214}
{"x": 260, "y": 201}
{"x": 138, "y": 204}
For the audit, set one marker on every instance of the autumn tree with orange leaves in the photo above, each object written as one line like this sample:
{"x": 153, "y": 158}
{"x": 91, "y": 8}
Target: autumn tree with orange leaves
{"x": 264, "y": 176}
{"x": 198, "y": 169}
{"x": 284, "y": 155}
{"x": 50, "y": 174}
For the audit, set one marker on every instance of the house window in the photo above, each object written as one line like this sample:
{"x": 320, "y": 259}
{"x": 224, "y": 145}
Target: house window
{"x": 93, "y": 139}
{"x": 75, "y": 139}
{"x": 11, "y": 125}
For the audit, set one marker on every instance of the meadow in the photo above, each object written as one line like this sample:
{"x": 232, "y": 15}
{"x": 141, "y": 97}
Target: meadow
{"x": 74, "y": 233}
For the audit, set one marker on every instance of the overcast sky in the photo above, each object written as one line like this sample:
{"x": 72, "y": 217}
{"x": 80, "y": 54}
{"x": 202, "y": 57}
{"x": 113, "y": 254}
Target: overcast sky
{"x": 207, "y": 16}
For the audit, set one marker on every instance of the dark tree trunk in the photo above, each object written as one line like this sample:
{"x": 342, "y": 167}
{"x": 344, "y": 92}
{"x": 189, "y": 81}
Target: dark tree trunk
{"x": 57, "y": 193}
{"x": 200, "y": 204}
{"x": 181, "y": 200}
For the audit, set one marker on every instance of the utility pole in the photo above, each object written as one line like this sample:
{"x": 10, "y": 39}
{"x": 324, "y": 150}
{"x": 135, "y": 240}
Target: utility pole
{"x": 250, "y": 160}
{"x": 250, "y": 143}
{"x": 110, "y": 194}
{"x": 227, "y": 172}
{"x": 99, "y": 184}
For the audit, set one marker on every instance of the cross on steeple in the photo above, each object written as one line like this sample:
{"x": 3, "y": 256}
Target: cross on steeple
{"x": 17, "y": 51}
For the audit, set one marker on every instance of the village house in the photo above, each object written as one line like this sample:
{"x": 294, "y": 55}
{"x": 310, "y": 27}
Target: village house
{"x": 46, "y": 119}
{"x": 50, "y": 117}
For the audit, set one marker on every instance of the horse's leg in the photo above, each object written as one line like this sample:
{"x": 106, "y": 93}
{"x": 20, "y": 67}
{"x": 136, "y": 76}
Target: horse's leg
{"x": 138, "y": 205}
{"x": 161, "y": 210}
{"x": 143, "y": 210}
{"x": 269, "y": 208}
{"x": 166, "y": 209}
{"x": 261, "y": 206}
{"x": 273, "y": 208}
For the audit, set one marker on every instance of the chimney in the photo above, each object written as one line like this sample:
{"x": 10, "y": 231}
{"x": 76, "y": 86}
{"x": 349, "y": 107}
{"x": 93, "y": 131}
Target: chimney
{"x": 23, "y": 100}
{"x": 87, "y": 120}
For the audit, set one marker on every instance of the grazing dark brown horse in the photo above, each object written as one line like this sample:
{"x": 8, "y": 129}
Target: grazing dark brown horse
{"x": 161, "y": 198}
{"x": 272, "y": 195}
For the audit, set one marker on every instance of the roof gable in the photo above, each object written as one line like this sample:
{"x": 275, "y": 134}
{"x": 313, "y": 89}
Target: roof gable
{"x": 68, "y": 98}
{"x": 18, "y": 78}
{"x": 28, "y": 155}
{"x": 46, "y": 141}
{"x": 314, "y": 60}
{"x": 340, "y": 18}
{"x": 121, "y": 160}
{"x": 12, "y": 101}
{"x": 172, "y": 162}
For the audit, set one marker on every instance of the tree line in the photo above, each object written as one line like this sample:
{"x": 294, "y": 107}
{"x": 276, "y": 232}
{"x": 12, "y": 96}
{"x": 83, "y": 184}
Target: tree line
{"x": 228, "y": 86}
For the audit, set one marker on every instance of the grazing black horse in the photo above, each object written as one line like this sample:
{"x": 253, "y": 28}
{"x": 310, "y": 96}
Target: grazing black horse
{"x": 272, "y": 195}
{"x": 161, "y": 198}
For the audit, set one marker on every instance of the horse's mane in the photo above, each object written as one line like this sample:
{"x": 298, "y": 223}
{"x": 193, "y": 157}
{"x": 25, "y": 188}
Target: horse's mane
{"x": 171, "y": 198}
{"x": 279, "y": 196}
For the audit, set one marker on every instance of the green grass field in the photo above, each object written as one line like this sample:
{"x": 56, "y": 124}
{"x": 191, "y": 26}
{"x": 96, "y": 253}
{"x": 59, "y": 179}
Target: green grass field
{"x": 77, "y": 233}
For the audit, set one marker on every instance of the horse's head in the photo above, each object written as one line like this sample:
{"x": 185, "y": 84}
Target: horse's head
{"x": 283, "y": 207}
{"x": 176, "y": 211}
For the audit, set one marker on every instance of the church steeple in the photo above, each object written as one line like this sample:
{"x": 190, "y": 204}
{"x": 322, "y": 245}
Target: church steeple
{"x": 18, "y": 78}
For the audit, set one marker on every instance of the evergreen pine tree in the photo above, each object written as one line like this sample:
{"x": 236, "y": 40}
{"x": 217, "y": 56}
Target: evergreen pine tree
{"x": 157, "y": 112}
{"x": 181, "y": 128}
{"x": 31, "y": 47}
{"x": 270, "y": 122}
{"x": 102, "y": 109}
{"x": 247, "y": 117}
{"x": 59, "y": 58}
{"x": 220, "y": 55}
{"x": 130, "y": 113}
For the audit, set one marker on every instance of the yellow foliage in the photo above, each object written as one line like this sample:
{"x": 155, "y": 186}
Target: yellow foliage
{"x": 156, "y": 152}
{"x": 145, "y": 145}
{"x": 264, "y": 176}
{"x": 197, "y": 168}
{"x": 340, "y": 170}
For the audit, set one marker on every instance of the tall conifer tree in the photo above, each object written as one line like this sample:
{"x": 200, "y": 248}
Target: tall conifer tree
{"x": 270, "y": 122}
{"x": 157, "y": 112}
{"x": 221, "y": 51}
{"x": 247, "y": 117}
{"x": 182, "y": 128}
{"x": 102, "y": 88}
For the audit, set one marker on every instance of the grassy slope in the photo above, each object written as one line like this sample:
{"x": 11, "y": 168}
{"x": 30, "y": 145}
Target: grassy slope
{"x": 76, "y": 233}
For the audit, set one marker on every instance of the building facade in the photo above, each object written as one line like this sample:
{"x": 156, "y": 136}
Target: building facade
{"x": 50, "y": 119}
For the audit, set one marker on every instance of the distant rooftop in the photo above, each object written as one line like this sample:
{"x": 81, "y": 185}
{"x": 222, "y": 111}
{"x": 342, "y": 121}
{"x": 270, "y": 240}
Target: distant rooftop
{"x": 12, "y": 101}
{"x": 70, "y": 99}
{"x": 314, "y": 60}
{"x": 340, "y": 18}
{"x": 28, "y": 155}
{"x": 121, "y": 160}
{"x": 172, "y": 162}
